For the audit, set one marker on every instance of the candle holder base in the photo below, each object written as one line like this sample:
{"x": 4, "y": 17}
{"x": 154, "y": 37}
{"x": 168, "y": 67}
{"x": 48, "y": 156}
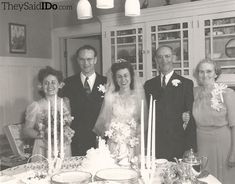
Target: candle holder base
{"x": 54, "y": 165}
{"x": 147, "y": 175}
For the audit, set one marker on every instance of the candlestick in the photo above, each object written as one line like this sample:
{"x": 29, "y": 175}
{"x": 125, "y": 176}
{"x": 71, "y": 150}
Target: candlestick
{"x": 153, "y": 134}
{"x": 55, "y": 128}
{"x": 61, "y": 129}
{"x": 149, "y": 131}
{"x": 49, "y": 131}
{"x": 142, "y": 159}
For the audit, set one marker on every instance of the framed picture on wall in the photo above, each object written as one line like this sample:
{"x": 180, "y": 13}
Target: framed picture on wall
{"x": 17, "y": 38}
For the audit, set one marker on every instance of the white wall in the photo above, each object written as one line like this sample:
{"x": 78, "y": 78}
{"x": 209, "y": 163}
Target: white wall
{"x": 18, "y": 84}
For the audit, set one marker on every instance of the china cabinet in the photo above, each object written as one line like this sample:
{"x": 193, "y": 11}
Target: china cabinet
{"x": 194, "y": 30}
{"x": 219, "y": 40}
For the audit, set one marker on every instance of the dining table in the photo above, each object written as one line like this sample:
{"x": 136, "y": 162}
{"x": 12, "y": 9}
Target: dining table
{"x": 18, "y": 174}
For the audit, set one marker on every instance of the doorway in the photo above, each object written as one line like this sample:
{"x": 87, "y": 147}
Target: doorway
{"x": 70, "y": 47}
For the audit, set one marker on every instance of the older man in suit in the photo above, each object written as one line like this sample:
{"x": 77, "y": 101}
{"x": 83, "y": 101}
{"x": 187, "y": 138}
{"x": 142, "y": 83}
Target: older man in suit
{"x": 85, "y": 98}
{"x": 174, "y": 99}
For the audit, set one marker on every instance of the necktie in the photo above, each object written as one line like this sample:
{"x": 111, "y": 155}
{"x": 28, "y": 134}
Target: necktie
{"x": 164, "y": 81}
{"x": 86, "y": 86}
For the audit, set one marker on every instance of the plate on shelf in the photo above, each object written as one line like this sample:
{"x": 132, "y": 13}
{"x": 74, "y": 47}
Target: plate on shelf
{"x": 230, "y": 48}
{"x": 216, "y": 55}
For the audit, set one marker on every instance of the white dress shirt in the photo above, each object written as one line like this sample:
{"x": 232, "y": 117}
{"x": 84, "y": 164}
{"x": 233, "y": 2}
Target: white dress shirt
{"x": 167, "y": 76}
{"x": 91, "y": 79}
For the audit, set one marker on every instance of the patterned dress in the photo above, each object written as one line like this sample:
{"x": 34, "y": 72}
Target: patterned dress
{"x": 215, "y": 115}
{"x": 35, "y": 114}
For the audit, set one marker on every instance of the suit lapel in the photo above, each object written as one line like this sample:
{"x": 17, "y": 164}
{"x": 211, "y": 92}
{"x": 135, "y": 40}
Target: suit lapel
{"x": 78, "y": 87}
{"x": 156, "y": 88}
{"x": 97, "y": 82}
{"x": 171, "y": 90}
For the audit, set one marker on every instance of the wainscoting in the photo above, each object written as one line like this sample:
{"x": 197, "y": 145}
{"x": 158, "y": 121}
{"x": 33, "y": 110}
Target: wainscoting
{"x": 18, "y": 87}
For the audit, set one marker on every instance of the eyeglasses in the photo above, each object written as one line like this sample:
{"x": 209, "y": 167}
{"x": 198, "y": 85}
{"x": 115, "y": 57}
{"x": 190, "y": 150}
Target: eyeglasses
{"x": 167, "y": 56}
{"x": 86, "y": 59}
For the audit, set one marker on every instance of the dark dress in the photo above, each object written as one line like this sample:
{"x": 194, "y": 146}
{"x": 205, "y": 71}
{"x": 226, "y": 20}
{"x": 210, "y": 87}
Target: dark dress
{"x": 85, "y": 110}
{"x": 171, "y": 138}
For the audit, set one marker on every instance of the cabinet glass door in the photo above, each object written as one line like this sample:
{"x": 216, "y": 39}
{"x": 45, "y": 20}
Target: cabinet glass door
{"x": 176, "y": 35}
{"x": 220, "y": 42}
{"x": 128, "y": 44}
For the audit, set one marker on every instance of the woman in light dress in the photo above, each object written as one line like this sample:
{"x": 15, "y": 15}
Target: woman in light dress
{"x": 119, "y": 119}
{"x": 37, "y": 114}
{"x": 214, "y": 113}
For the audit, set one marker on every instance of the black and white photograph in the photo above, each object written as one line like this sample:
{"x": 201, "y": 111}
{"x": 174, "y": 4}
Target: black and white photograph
{"x": 117, "y": 91}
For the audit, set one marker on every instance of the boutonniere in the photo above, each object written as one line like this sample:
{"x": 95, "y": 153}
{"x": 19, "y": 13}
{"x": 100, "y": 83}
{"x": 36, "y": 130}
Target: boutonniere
{"x": 176, "y": 82}
{"x": 102, "y": 89}
{"x": 217, "y": 96}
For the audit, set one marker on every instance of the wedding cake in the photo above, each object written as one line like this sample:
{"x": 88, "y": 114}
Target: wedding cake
{"x": 97, "y": 159}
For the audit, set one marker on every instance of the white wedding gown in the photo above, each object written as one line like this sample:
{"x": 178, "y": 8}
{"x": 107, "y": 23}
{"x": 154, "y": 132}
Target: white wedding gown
{"x": 119, "y": 120}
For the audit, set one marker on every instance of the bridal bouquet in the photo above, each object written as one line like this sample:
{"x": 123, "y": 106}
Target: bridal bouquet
{"x": 123, "y": 132}
{"x": 122, "y": 137}
{"x": 67, "y": 119}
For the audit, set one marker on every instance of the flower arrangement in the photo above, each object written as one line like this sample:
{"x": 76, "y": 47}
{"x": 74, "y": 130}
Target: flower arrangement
{"x": 175, "y": 82}
{"x": 68, "y": 132}
{"x": 217, "y": 96}
{"x": 123, "y": 134}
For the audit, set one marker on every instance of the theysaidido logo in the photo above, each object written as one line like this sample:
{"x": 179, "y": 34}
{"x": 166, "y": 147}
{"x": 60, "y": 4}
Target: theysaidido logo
{"x": 5, "y": 5}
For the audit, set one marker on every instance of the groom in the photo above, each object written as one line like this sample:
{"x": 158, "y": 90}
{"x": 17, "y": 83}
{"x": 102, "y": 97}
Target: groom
{"x": 174, "y": 96}
{"x": 85, "y": 99}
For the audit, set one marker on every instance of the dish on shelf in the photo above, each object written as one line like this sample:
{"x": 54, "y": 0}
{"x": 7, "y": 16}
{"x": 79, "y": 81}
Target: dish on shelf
{"x": 218, "y": 33}
{"x": 230, "y": 48}
{"x": 215, "y": 33}
{"x": 215, "y": 55}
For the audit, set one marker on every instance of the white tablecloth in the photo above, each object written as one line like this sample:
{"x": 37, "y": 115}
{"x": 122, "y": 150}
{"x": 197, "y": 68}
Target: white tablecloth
{"x": 16, "y": 174}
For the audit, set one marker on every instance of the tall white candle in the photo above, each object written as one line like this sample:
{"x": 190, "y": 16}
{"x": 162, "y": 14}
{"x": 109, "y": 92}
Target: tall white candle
{"x": 49, "y": 132}
{"x": 149, "y": 131}
{"x": 153, "y": 133}
{"x": 61, "y": 129}
{"x": 142, "y": 159}
{"x": 55, "y": 128}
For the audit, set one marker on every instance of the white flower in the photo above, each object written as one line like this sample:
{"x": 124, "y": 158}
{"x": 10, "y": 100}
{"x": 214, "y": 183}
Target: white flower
{"x": 175, "y": 82}
{"x": 122, "y": 132}
{"x": 101, "y": 88}
{"x": 217, "y": 96}
{"x": 109, "y": 133}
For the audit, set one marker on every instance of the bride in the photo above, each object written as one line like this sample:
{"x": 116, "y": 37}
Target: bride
{"x": 119, "y": 119}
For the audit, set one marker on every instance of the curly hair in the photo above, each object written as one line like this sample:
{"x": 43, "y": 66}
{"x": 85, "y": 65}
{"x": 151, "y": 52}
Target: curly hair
{"x": 44, "y": 72}
{"x": 217, "y": 67}
{"x": 122, "y": 65}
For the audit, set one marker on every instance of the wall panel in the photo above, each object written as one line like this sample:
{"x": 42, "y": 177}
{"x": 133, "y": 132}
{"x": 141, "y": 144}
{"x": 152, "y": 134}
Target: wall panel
{"x": 18, "y": 83}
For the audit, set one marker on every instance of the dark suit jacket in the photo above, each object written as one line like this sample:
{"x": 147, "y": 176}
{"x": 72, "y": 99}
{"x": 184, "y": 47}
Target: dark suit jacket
{"x": 171, "y": 139}
{"x": 85, "y": 110}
